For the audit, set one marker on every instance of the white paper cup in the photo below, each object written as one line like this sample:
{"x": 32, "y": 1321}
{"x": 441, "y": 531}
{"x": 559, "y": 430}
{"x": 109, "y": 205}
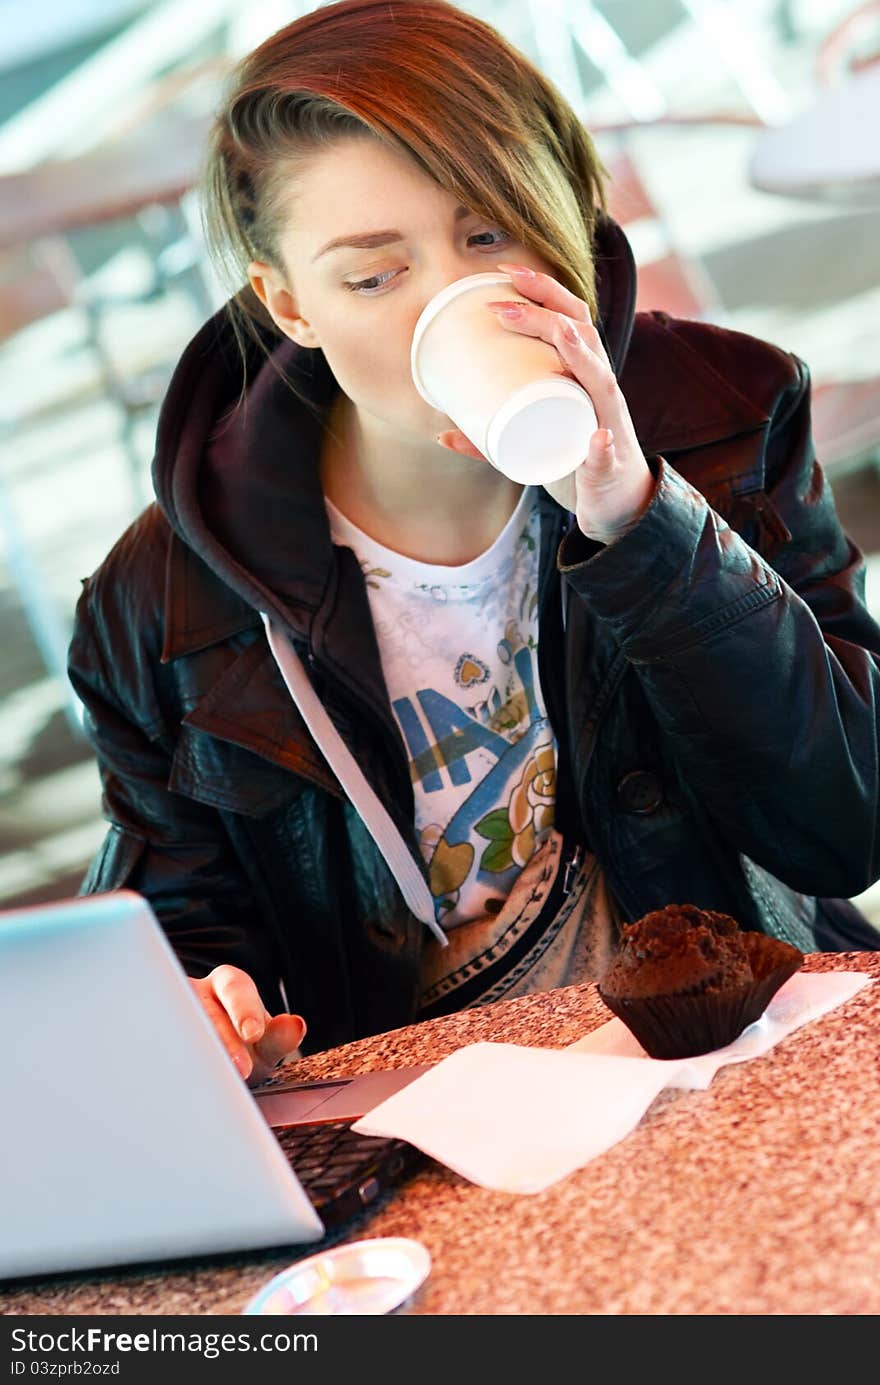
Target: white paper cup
{"x": 505, "y": 391}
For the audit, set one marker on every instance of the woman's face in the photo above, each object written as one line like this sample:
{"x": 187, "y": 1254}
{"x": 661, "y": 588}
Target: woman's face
{"x": 360, "y": 301}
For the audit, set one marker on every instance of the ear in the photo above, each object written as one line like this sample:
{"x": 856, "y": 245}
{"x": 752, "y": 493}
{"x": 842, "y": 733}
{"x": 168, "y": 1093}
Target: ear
{"x": 269, "y": 286}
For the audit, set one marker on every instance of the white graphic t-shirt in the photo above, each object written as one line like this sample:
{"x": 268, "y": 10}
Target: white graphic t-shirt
{"x": 459, "y": 649}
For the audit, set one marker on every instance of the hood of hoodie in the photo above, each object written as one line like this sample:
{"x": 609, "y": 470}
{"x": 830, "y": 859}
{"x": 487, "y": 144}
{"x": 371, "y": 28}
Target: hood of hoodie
{"x": 236, "y": 470}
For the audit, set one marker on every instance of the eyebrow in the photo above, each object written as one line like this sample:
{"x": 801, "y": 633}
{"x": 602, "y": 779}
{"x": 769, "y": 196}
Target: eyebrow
{"x": 369, "y": 240}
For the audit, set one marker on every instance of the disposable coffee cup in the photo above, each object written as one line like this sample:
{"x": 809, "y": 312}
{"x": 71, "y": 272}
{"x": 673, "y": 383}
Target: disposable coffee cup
{"x": 505, "y": 391}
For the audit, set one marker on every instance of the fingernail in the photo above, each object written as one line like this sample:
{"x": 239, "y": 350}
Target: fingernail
{"x": 570, "y": 332}
{"x": 516, "y": 269}
{"x": 243, "y": 1063}
{"x": 609, "y": 439}
{"x": 250, "y": 1030}
{"x": 506, "y": 309}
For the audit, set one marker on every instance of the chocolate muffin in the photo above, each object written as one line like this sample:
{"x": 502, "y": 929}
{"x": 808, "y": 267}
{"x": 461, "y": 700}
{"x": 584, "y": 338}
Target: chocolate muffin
{"x": 687, "y": 980}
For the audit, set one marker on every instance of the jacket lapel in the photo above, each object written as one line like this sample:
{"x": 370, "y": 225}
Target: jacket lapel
{"x": 200, "y": 609}
{"x": 247, "y": 710}
{"x": 247, "y": 706}
{"x": 678, "y": 402}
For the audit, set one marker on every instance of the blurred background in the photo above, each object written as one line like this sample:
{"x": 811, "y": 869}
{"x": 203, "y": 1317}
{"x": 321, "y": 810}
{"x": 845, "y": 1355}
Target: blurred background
{"x": 742, "y": 142}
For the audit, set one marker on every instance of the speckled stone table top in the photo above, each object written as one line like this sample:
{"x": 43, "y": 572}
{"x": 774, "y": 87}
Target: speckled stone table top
{"x": 757, "y": 1196}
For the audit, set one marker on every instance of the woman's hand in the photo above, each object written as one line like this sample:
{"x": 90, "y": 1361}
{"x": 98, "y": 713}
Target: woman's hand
{"x": 614, "y": 484}
{"x": 255, "y": 1040}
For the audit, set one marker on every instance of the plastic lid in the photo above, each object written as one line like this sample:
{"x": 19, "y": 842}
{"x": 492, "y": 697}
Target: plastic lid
{"x": 433, "y": 306}
{"x": 363, "y": 1277}
{"x": 542, "y": 432}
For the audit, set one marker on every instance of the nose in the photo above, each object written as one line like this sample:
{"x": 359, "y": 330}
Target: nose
{"x": 447, "y": 270}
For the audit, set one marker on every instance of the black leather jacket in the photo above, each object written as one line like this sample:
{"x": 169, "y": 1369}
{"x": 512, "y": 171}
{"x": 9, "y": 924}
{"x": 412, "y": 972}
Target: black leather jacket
{"x": 713, "y": 688}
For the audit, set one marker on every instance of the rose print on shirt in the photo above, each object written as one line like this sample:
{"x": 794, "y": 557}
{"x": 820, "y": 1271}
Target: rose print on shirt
{"x": 513, "y": 831}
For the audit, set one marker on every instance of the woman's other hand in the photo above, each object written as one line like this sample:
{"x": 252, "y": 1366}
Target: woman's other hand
{"x": 255, "y": 1040}
{"x": 613, "y": 485}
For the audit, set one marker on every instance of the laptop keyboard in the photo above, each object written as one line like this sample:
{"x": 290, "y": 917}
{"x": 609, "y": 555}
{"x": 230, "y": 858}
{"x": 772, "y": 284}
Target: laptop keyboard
{"x": 341, "y": 1170}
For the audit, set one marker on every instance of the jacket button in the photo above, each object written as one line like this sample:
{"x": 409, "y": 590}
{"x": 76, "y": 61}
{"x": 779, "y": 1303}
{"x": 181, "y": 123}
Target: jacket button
{"x": 640, "y": 791}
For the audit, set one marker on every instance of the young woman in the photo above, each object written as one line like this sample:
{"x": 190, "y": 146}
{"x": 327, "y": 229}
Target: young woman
{"x": 382, "y": 733}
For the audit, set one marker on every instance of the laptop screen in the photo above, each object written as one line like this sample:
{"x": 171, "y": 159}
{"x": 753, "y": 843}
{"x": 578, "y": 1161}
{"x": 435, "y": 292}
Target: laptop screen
{"x": 129, "y": 1134}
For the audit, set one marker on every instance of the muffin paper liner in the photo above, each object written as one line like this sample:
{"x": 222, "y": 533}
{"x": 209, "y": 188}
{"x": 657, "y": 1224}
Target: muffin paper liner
{"x": 681, "y": 1026}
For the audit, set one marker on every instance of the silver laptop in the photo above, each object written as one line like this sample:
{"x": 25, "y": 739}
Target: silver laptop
{"x": 128, "y": 1136}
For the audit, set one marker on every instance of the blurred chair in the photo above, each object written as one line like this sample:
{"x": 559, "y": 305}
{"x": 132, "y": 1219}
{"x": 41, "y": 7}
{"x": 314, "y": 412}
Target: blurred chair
{"x": 38, "y": 280}
{"x": 845, "y": 413}
{"x": 142, "y": 175}
{"x": 44, "y": 277}
{"x": 829, "y": 151}
{"x": 34, "y": 284}
{"x": 192, "y": 90}
{"x": 846, "y": 423}
{"x": 666, "y": 280}
{"x": 851, "y": 46}
{"x": 153, "y": 167}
